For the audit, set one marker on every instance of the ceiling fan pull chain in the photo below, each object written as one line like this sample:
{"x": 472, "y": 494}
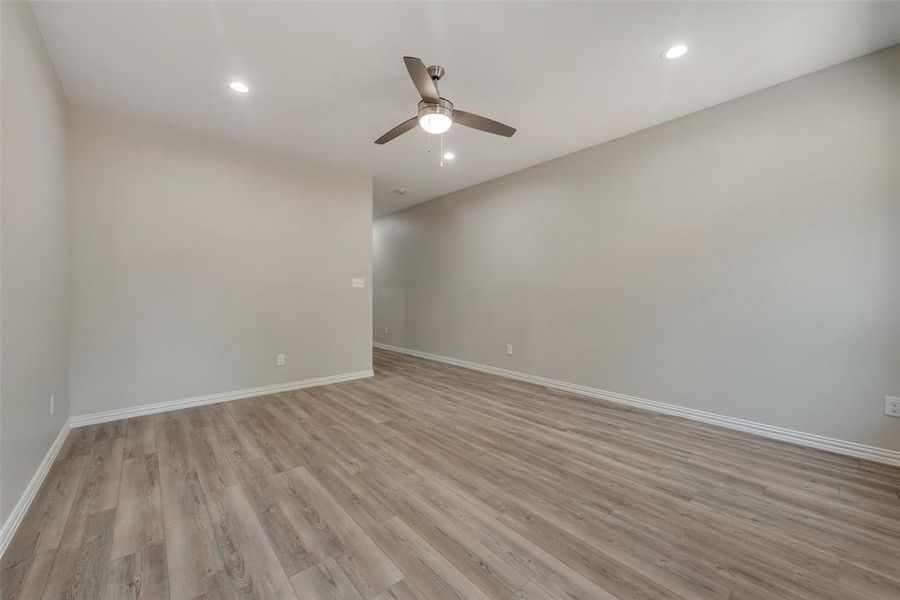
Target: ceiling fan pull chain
{"x": 442, "y": 150}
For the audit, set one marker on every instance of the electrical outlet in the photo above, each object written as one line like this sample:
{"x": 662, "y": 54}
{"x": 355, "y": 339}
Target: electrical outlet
{"x": 892, "y": 406}
{"x": 509, "y": 349}
{"x": 52, "y": 403}
{"x": 358, "y": 282}
{"x": 279, "y": 360}
{"x": 386, "y": 330}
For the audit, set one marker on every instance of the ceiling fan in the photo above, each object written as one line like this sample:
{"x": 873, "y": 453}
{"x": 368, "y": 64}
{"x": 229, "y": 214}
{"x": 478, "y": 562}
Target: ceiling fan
{"x": 437, "y": 114}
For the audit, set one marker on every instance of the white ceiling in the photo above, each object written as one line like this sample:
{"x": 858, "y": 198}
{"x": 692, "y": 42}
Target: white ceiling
{"x": 328, "y": 78}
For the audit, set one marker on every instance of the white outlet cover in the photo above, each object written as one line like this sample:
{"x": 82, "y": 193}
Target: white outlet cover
{"x": 509, "y": 349}
{"x": 892, "y": 406}
{"x": 358, "y": 282}
{"x": 279, "y": 360}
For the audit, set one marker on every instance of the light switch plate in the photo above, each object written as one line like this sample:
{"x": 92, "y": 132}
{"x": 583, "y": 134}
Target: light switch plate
{"x": 358, "y": 282}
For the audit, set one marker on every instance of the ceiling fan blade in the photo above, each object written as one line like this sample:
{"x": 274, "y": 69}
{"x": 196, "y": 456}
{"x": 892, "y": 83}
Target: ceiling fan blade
{"x": 421, "y": 79}
{"x": 483, "y": 123}
{"x": 398, "y": 130}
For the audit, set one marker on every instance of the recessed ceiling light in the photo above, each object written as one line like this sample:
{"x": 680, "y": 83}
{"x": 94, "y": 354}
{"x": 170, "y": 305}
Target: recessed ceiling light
{"x": 239, "y": 86}
{"x": 449, "y": 156}
{"x": 676, "y": 51}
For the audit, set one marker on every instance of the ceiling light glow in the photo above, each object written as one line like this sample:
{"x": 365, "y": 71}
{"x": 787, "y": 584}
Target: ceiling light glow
{"x": 449, "y": 156}
{"x": 239, "y": 86}
{"x": 676, "y": 51}
{"x": 435, "y": 123}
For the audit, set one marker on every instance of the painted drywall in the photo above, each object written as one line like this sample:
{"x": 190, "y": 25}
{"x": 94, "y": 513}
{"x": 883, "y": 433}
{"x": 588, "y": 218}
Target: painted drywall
{"x": 195, "y": 262}
{"x": 35, "y": 255}
{"x": 742, "y": 260}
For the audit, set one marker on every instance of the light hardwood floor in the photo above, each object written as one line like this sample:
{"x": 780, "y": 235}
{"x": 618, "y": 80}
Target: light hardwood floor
{"x": 434, "y": 482}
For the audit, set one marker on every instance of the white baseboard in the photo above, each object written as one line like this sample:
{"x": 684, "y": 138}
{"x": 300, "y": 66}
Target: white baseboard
{"x": 881, "y": 455}
{"x": 161, "y": 407}
{"x": 22, "y": 506}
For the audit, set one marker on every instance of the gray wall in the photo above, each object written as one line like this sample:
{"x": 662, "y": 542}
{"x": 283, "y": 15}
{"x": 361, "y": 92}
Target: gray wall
{"x": 194, "y": 262}
{"x": 743, "y": 260}
{"x": 34, "y": 315}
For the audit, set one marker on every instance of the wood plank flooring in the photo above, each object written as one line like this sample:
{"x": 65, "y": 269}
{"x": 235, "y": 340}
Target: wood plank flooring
{"x": 434, "y": 482}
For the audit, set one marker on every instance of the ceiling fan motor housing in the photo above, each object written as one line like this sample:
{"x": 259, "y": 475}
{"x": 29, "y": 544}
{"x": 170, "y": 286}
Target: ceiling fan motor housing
{"x": 443, "y": 107}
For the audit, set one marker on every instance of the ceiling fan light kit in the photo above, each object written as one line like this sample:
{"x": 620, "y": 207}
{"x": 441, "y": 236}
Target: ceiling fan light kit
{"x": 436, "y": 118}
{"x": 436, "y": 114}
